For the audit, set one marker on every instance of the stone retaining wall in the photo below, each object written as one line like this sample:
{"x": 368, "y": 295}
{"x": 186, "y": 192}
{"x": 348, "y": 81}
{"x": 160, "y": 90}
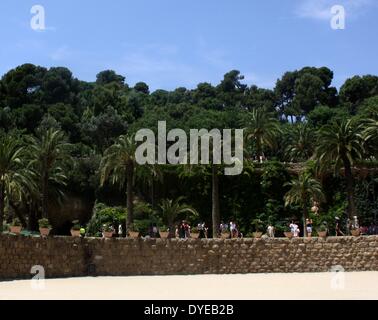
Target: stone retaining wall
{"x": 69, "y": 257}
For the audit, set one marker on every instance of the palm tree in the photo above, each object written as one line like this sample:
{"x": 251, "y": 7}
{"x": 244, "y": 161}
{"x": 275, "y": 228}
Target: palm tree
{"x": 339, "y": 145}
{"x": 15, "y": 177}
{"x": 148, "y": 175}
{"x": 172, "y": 209}
{"x": 371, "y": 135}
{"x": 303, "y": 191}
{"x": 200, "y": 170}
{"x": 300, "y": 142}
{"x": 262, "y": 128}
{"x": 48, "y": 151}
{"x": 119, "y": 164}
{"x": 215, "y": 209}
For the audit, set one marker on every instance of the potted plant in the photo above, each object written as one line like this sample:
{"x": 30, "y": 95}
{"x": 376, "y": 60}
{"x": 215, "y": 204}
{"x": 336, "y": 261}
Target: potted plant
{"x": 75, "y": 230}
{"x": 287, "y": 232}
{"x": 225, "y": 234}
{"x": 16, "y": 226}
{"x": 322, "y": 231}
{"x": 134, "y": 232}
{"x": 107, "y": 230}
{"x": 356, "y": 232}
{"x": 44, "y": 227}
{"x": 258, "y": 226}
{"x": 194, "y": 233}
{"x": 164, "y": 232}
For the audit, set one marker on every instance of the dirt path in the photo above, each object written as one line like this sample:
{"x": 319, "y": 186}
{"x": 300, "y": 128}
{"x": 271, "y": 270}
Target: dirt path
{"x": 357, "y": 285}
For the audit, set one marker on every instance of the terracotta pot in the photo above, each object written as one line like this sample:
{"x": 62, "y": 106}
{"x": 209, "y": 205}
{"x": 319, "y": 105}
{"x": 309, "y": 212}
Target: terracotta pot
{"x": 288, "y": 234}
{"x": 133, "y": 234}
{"x": 225, "y": 235}
{"x": 257, "y": 234}
{"x": 355, "y": 232}
{"x": 44, "y": 231}
{"x": 194, "y": 235}
{"x": 75, "y": 233}
{"x": 107, "y": 234}
{"x": 164, "y": 234}
{"x": 322, "y": 234}
{"x": 15, "y": 229}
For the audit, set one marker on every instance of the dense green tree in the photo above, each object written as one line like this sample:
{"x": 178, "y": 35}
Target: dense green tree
{"x": 260, "y": 98}
{"x": 65, "y": 115}
{"x": 109, "y": 76}
{"x": 58, "y": 85}
{"x": 323, "y": 115}
{"x": 102, "y": 130}
{"x": 142, "y": 87}
{"x": 22, "y": 85}
{"x": 357, "y": 88}
{"x": 300, "y": 91}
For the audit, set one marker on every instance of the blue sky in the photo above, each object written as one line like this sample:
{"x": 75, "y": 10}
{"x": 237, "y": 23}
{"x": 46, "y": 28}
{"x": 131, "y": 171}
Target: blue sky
{"x": 172, "y": 43}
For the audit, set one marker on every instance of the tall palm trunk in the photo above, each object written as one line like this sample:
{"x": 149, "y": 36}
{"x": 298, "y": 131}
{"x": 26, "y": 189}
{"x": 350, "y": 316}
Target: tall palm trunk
{"x": 2, "y": 206}
{"x": 152, "y": 194}
{"x": 305, "y": 215}
{"x": 215, "y": 200}
{"x": 32, "y": 221}
{"x": 130, "y": 204}
{"x": 44, "y": 196}
{"x": 349, "y": 188}
{"x": 19, "y": 215}
{"x": 260, "y": 154}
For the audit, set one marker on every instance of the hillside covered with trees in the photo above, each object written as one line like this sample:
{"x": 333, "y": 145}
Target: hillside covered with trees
{"x": 66, "y": 150}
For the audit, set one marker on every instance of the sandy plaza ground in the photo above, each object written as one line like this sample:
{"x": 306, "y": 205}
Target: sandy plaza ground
{"x": 298, "y": 286}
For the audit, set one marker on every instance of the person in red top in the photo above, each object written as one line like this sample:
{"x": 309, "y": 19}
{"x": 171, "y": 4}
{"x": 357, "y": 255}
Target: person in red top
{"x": 187, "y": 230}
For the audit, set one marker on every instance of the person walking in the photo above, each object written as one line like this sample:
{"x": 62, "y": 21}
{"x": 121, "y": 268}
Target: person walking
{"x": 233, "y": 230}
{"x": 309, "y": 227}
{"x": 201, "y": 229}
{"x": 182, "y": 230}
{"x": 294, "y": 229}
{"x": 338, "y": 228}
{"x": 187, "y": 230}
{"x": 270, "y": 231}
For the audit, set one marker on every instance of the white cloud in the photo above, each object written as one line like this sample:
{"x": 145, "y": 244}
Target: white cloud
{"x": 321, "y": 9}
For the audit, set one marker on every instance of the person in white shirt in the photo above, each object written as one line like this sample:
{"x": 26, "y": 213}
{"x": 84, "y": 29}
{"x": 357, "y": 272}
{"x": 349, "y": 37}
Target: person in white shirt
{"x": 233, "y": 230}
{"x": 270, "y": 231}
{"x": 294, "y": 229}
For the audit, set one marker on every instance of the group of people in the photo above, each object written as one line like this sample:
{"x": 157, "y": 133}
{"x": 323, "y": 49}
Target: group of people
{"x": 183, "y": 230}
{"x": 232, "y": 228}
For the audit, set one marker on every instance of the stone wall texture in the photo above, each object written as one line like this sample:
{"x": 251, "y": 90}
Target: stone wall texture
{"x": 71, "y": 257}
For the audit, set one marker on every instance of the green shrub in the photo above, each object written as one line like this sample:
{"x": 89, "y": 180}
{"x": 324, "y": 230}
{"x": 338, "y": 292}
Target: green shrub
{"x": 107, "y": 227}
{"x": 16, "y": 222}
{"x": 44, "y": 223}
{"x": 258, "y": 225}
{"x": 76, "y": 225}
{"x": 103, "y": 214}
